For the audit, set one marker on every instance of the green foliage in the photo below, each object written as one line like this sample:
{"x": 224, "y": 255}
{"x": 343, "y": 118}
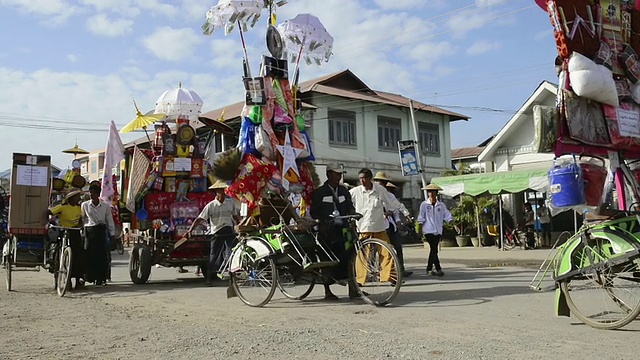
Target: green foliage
{"x": 463, "y": 169}
{"x": 464, "y": 215}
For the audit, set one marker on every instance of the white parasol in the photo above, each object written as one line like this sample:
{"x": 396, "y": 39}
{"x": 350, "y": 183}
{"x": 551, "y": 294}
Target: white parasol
{"x": 179, "y": 101}
{"x": 227, "y": 13}
{"x": 243, "y": 13}
{"x": 305, "y": 36}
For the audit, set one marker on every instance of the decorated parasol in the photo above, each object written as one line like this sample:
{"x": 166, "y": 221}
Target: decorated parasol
{"x": 244, "y": 14}
{"x": 141, "y": 122}
{"x": 305, "y": 37}
{"x": 179, "y": 101}
{"x": 75, "y": 150}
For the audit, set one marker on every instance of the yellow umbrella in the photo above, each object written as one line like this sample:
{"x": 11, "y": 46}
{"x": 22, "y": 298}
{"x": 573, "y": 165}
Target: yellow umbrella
{"x": 75, "y": 151}
{"x": 141, "y": 121}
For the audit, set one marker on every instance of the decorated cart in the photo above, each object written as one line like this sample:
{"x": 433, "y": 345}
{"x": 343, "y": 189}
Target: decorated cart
{"x": 165, "y": 186}
{"x": 271, "y": 171}
{"x": 30, "y": 240}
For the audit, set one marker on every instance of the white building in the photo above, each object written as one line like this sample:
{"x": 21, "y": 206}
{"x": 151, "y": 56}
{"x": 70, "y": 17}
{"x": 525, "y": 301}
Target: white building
{"x": 356, "y": 126}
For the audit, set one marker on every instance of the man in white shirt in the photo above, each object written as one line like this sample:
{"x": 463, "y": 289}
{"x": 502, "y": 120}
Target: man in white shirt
{"x": 98, "y": 223}
{"x": 220, "y": 215}
{"x": 432, "y": 215}
{"x": 371, "y": 200}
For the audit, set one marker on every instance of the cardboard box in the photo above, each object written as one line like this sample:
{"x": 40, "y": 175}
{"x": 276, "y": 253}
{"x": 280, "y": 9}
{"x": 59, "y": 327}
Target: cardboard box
{"x": 30, "y": 184}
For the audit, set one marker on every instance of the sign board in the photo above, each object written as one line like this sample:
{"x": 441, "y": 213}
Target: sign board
{"x": 30, "y": 183}
{"x": 408, "y": 157}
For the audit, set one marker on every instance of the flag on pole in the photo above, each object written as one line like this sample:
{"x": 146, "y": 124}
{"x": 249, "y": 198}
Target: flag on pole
{"x": 114, "y": 153}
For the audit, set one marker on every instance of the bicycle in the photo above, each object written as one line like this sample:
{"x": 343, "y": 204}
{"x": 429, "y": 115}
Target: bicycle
{"x": 279, "y": 261}
{"x": 599, "y": 264}
{"x": 60, "y": 259}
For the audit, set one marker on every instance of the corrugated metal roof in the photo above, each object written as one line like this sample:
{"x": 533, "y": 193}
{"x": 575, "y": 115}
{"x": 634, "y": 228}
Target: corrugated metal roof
{"x": 465, "y": 153}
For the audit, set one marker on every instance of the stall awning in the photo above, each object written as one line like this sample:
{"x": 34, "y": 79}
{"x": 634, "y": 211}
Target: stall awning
{"x": 494, "y": 183}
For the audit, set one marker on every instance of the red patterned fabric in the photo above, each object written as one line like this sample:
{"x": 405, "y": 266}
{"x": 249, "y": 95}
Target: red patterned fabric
{"x": 306, "y": 181}
{"x": 250, "y": 181}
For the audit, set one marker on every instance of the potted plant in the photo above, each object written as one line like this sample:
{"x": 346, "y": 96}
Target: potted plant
{"x": 463, "y": 219}
{"x": 448, "y": 235}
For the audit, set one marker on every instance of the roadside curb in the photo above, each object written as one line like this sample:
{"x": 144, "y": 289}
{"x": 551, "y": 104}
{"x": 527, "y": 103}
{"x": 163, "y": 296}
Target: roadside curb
{"x": 484, "y": 263}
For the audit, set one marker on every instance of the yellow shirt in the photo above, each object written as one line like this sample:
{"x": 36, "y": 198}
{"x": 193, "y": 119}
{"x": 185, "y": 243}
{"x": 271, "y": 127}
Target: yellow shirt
{"x": 69, "y": 215}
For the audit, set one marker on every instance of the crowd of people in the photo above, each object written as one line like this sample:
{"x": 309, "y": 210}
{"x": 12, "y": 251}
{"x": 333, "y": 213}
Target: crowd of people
{"x": 373, "y": 198}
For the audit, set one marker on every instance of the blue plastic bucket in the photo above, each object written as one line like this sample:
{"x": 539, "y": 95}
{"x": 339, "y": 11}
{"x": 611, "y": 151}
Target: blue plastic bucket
{"x": 566, "y": 185}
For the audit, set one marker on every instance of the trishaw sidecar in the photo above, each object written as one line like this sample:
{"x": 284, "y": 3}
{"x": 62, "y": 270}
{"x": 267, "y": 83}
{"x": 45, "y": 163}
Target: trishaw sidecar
{"x": 148, "y": 251}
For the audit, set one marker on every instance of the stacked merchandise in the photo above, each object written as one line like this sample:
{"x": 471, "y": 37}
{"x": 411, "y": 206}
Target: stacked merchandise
{"x": 178, "y": 179}
{"x": 598, "y": 43}
{"x": 599, "y": 73}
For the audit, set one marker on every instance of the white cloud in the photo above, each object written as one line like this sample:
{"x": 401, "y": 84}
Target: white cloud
{"x": 77, "y": 104}
{"x": 132, "y": 8}
{"x": 172, "y": 44}
{"x": 482, "y": 47}
{"x": 72, "y": 58}
{"x": 53, "y": 11}
{"x": 101, "y": 25}
{"x": 226, "y": 53}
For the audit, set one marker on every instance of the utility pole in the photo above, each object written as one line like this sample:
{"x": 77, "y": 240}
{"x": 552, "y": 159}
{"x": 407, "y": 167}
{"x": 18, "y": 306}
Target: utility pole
{"x": 417, "y": 147}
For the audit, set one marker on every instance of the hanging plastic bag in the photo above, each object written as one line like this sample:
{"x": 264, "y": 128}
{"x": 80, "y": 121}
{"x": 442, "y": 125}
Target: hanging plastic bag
{"x": 595, "y": 175}
{"x": 246, "y": 141}
{"x": 307, "y": 154}
{"x": 263, "y": 143}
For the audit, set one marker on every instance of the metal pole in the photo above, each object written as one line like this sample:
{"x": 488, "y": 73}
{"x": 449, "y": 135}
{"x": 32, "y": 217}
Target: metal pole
{"x": 418, "y": 152}
{"x": 501, "y": 230}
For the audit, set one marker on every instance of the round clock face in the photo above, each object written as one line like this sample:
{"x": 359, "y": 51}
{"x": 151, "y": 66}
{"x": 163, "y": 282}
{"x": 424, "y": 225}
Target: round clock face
{"x": 75, "y": 164}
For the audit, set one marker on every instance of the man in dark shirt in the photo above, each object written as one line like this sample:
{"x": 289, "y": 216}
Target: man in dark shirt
{"x": 329, "y": 198}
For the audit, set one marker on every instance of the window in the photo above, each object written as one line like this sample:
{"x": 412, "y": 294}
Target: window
{"x": 388, "y": 133}
{"x": 342, "y": 127}
{"x": 429, "y": 139}
{"x": 94, "y": 166}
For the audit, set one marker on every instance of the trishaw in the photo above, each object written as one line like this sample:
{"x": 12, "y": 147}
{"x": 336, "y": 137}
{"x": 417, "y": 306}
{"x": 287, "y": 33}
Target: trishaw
{"x": 31, "y": 243}
{"x": 155, "y": 246}
{"x": 284, "y": 251}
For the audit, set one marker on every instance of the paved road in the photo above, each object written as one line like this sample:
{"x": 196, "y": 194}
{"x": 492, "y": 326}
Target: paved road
{"x": 471, "y": 313}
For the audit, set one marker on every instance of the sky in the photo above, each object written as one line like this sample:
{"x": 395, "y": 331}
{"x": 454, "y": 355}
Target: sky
{"x": 70, "y": 67}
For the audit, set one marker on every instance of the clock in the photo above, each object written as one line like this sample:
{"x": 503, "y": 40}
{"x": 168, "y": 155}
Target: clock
{"x": 75, "y": 164}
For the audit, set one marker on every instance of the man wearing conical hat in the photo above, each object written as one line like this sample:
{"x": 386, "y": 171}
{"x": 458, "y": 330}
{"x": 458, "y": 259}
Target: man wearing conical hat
{"x": 221, "y": 216}
{"x": 433, "y": 214}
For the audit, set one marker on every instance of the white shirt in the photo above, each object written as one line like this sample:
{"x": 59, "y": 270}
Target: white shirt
{"x": 543, "y": 215}
{"x": 218, "y": 214}
{"x": 431, "y": 217}
{"x": 395, "y": 218}
{"x": 100, "y": 214}
{"x": 371, "y": 204}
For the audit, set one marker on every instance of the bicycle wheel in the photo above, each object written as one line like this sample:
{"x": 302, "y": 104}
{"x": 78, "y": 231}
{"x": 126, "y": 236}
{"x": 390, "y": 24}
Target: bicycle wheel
{"x": 377, "y": 271}
{"x": 608, "y": 297}
{"x": 120, "y": 247}
{"x": 64, "y": 271}
{"x": 7, "y": 266}
{"x": 256, "y": 281}
{"x": 294, "y": 283}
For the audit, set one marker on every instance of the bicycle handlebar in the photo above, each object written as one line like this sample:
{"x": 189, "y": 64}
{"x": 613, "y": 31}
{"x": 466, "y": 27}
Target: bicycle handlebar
{"x": 346, "y": 217}
{"x": 64, "y": 227}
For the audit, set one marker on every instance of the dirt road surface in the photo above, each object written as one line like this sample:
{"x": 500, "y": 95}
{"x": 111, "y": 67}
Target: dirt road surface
{"x": 486, "y": 313}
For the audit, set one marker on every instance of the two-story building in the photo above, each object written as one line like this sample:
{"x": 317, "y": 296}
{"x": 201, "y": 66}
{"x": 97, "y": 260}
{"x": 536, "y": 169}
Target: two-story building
{"x": 355, "y": 126}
